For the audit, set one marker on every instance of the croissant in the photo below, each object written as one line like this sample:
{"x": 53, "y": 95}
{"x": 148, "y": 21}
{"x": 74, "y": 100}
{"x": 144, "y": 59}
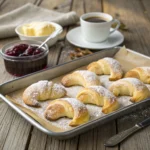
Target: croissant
{"x": 99, "y": 96}
{"x": 83, "y": 77}
{"x": 42, "y": 90}
{"x": 67, "y": 107}
{"x": 141, "y": 73}
{"x": 130, "y": 87}
{"x": 107, "y": 66}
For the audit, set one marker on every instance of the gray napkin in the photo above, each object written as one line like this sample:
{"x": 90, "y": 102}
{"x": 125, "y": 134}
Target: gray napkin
{"x": 30, "y": 13}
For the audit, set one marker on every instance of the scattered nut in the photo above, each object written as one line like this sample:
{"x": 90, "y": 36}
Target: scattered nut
{"x": 78, "y": 52}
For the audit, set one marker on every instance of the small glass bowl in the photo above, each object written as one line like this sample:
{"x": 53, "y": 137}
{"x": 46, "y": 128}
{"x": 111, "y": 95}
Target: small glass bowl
{"x": 20, "y": 66}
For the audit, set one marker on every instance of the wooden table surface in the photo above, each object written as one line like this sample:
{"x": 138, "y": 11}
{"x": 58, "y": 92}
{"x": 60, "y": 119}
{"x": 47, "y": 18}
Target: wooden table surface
{"x": 17, "y": 134}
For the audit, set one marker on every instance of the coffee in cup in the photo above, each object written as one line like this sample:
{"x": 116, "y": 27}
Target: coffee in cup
{"x": 95, "y": 26}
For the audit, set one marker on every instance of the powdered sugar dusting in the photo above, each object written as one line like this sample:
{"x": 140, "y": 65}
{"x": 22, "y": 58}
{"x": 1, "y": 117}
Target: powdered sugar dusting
{"x": 43, "y": 88}
{"x": 105, "y": 81}
{"x": 135, "y": 82}
{"x": 124, "y": 101}
{"x": 58, "y": 88}
{"x": 76, "y": 104}
{"x": 146, "y": 70}
{"x": 88, "y": 75}
{"x": 62, "y": 123}
{"x": 73, "y": 91}
{"x": 115, "y": 65}
{"x": 94, "y": 111}
{"x": 104, "y": 92}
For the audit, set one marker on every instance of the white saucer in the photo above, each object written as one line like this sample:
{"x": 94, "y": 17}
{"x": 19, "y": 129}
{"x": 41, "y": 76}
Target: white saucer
{"x": 74, "y": 37}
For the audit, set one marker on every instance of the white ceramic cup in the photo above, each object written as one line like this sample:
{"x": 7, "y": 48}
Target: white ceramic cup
{"x": 97, "y": 31}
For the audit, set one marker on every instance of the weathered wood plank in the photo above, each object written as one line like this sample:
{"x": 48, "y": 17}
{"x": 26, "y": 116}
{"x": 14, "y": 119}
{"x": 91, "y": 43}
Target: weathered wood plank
{"x": 40, "y": 140}
{"x": 14, "y": 130}
{"x": 95, "y": 139}
{"x": 140, "y": 140}
{"x": 8, "y": 5}
{"x": 18, "y": 133}
{"x": 78, "y": 6}
{"x": 6, "y": 117}
{"x": 132, "y": 14}
{"x": 59, "y": 5}
{"x": 52, "y": 143}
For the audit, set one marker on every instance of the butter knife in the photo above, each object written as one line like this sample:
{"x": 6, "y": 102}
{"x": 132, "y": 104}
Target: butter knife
{"x": 116, "y": 139}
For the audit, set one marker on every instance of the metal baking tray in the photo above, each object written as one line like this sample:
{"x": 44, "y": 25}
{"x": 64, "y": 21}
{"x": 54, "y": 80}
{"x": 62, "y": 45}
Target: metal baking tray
{"x": 57, "y": 71}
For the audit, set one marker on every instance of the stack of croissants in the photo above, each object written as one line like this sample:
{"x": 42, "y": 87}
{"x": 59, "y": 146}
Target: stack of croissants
{"x": 130, "y": 84}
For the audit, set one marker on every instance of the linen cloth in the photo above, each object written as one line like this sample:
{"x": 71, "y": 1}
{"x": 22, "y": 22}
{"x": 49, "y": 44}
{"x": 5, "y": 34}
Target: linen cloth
{"x": 30, "y": 13}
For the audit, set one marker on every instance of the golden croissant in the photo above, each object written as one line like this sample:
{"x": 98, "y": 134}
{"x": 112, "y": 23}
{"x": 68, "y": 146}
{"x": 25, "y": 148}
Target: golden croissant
{"x": 141, "y": 73}
{"x": 130, "y": 87}
{"x": 67, "y": 107}
{"x": 99, "y": 96}
{"x": 42, "y": 90}
{"x": 83, "y": 77}
{"x": 107, "y": 66}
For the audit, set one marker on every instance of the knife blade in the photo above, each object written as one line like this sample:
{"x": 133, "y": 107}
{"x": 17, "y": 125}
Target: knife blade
{"x": 116, "y": 139}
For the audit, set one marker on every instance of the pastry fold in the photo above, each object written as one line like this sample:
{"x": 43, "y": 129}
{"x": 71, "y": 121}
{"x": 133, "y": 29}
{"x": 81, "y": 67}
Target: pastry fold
{"x": 99, "y": 96}
{"x": 67, "y": 107}
{"x": 83, "y": 77}
{"x": 42, "y": 90}
{"x": 130, "y": 87}
{"x": 141, "y": 73}
{"x": 107, "y": 66}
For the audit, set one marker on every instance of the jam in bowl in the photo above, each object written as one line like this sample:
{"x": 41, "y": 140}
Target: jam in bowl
{"x": 24, "y": 57}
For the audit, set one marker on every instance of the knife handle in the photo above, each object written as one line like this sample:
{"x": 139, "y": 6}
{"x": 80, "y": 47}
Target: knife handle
{"x": 144, "y": 123}
{"x": 116, "y": 139}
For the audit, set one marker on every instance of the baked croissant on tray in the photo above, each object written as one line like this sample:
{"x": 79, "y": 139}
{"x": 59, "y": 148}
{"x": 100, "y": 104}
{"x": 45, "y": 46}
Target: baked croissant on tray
{"x": 82, "y": 77}
{"x": 130, "y": 87}
{"x": 141, "y": 73}
{"x": 107, "y": 66}
{"x": 67, "y": 107}
{"x": 99, "y": 96}
{"x": 42, "y": 90}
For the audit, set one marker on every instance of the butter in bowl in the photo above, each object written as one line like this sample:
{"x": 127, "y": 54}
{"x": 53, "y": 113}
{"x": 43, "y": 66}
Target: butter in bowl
{"x": 38, "y": 31}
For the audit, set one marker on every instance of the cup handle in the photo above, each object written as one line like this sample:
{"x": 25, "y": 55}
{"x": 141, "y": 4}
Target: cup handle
{"x": 118, "y": 25}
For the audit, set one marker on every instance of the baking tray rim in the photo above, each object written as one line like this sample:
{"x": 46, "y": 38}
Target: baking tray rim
{"x": 78, "y": 128}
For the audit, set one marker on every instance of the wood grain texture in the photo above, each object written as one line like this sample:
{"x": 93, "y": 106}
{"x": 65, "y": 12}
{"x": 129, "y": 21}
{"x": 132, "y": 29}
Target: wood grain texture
{"x": 59, "y": 5}
{"x": 95, "y": 139}
{"x": 132, "y": 14}
{"x": 14, "y": 130}
{"x": 8, "y": 5}
{"x": 18, "y": 134}
{"x": 39, "y": 140}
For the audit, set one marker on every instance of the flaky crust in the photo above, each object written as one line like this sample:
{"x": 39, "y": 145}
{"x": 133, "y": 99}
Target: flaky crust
{"x": 99, "y": 96}
{"x": 130, "y": 87}
{"x": 141, "y": 73}
{"x": 67, "y": 107}
{"x": 107, "y": 66}
{"x": 82, "y": 77}
{"x": 42, "y": 90}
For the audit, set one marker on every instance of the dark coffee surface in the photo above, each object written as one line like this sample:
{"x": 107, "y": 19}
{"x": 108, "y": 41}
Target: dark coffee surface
{"x": 95, "y": 19}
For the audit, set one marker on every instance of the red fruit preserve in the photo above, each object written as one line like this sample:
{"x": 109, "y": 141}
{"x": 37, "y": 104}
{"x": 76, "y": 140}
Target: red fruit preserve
{"x": 24, "y": 58}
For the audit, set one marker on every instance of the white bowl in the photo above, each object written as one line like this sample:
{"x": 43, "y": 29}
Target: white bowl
{"x": 51, "y": 42}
